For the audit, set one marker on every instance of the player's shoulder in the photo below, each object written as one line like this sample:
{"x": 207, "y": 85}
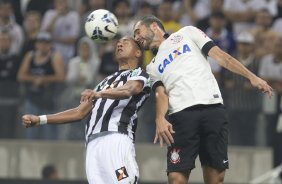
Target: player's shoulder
{"x": 138, "y": 71}
{"x": 150, "y": 65}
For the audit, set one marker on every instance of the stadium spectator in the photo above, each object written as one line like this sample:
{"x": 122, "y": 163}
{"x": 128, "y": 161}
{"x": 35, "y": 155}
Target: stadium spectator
{"x": 242, "y": 100}
{"x": 9, "y": 61}
{"x": 9, "y": 93}
{"x": 165, "y": 14}
{"x": 49, "y": 172}
{"x": 219, "y": 34}
{"x": 64, "y": 25}
{"x": 39, "y": 6}
{"x": 7, "y": 23}
{"x": 82, "y": 73}
{"x": 279, "y": 9}
{"x": 16, "y": 8}
{"x": 215, "y": 7}
{"x": 271, "y": 70}
{"x": 121, "y": 8}
{"x": 277, "y": 25}
{"x": 32, "y": 23}
{"x": 242, "y": 13}
{"x": 193, "y": 10}
{"x": 40, "y": 70}
{"x": 264, "y": 35}
{"x": 82, "y": 69}
{"x": 144, "y": 9}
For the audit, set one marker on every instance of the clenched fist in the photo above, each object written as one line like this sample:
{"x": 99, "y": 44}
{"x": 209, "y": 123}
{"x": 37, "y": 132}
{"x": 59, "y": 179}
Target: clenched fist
{"x": 30, "y": 120}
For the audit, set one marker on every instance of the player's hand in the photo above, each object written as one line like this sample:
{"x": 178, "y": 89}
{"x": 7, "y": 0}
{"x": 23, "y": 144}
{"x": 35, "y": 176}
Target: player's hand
{"x": 87, "y": 95}
{"x": 261, "y": 85}
{"x": 30, "y": 120}
{"x": 164, "y": 132}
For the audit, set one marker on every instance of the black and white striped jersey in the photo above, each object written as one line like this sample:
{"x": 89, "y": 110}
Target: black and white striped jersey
{"x": 110, "y": 115}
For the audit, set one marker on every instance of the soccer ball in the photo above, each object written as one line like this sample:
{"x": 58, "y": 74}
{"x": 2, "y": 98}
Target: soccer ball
{"x": 101, "y": 25}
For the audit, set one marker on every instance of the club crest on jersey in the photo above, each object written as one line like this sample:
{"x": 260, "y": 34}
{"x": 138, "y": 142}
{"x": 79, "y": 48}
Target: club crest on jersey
{"x": 121, "y": 173}
{"x": 172, "y": 56}
{"x": 174, "y": 156}
{"x": 176, "y": 39}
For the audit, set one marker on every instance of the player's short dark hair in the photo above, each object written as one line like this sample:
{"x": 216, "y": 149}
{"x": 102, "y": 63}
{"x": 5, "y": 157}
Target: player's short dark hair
{"x": 47, "y": 171}
{"x": 148, "y": 20}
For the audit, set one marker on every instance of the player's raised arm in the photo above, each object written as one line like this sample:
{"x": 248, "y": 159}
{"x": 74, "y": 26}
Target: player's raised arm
{"x": 67, "y": 116}
{"x": 232, "y": 64}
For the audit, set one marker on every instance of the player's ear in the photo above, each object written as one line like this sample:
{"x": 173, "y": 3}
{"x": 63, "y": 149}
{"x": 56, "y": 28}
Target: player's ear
{"x": 154, "y": 26}
{"x": 138, "y": 53}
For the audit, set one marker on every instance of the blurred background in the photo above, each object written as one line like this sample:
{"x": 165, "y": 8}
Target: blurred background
{"x": 46, "y": 39}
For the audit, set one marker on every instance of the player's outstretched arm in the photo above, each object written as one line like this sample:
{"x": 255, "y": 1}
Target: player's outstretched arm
{"x": 163, "y": 127}
{"x": 129, "y": 89}
{"x": 232, "y": 64}
{"x": 67, "y": 116}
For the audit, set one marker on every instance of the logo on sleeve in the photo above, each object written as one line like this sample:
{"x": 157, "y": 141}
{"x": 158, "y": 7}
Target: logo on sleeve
{"x": 176, "y": 39}
{"x": 136, "y": 72}
{"x": 121, "y": 173}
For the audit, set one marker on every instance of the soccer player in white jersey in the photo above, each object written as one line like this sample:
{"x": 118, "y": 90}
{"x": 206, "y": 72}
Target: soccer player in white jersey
{"x": 185, "y": 87}
{"x": 112, "y": 120}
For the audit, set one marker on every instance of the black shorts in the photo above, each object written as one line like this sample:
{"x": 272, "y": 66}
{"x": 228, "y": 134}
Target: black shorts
{"x": 199, "y": 130}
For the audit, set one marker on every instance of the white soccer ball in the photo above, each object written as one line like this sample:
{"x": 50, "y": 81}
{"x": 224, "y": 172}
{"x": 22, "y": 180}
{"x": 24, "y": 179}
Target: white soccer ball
{"x": 101, "y": 25}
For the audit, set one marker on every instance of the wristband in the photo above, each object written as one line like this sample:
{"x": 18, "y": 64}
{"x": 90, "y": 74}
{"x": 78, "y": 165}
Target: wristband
{"x": 43, "y": 120}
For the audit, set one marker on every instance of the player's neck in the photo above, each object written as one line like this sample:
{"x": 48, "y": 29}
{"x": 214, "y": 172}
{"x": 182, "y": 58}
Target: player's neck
{"x": 127, "y": 65}
{"x": 159, "y": 38}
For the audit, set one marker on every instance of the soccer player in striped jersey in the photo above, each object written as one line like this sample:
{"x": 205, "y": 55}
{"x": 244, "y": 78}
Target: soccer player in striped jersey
{"x": 112, "y": 120}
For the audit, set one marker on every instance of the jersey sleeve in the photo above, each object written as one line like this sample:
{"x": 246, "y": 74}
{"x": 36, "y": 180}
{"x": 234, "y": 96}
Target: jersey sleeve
{"x": 200, "y": 39}
{"x": 140, "y": 75}
{"x": 154, "y": 79}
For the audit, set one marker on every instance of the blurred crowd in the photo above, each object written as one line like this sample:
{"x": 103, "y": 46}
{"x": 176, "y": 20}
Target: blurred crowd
{"x": 46, "y": 61}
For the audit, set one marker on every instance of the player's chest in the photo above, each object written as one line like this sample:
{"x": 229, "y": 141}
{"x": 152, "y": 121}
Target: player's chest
{"x": 171, "y": 55}
{"x": 115, "y": 81}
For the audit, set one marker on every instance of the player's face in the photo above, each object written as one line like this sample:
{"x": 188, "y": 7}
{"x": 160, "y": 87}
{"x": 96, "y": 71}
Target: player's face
{"x": 143, "y": 35}
{"x": 126, "y": 48}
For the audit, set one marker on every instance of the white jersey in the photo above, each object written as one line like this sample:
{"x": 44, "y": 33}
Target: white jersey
{"x": 182, "y": 67}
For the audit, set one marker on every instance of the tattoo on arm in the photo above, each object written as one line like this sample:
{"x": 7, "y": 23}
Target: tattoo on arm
{"x": 227, "y": 61}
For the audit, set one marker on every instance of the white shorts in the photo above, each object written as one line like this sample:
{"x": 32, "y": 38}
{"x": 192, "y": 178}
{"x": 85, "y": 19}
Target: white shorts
{"x": 110, "y": 159}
